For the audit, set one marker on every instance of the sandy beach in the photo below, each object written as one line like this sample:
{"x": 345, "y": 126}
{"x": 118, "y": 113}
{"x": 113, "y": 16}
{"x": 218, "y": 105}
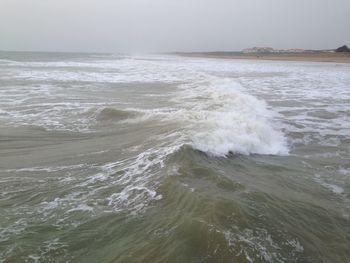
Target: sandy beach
{"x": 314, "y": 57}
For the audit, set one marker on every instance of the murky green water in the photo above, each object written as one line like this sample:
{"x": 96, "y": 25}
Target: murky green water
{"x": 106, "y": 158}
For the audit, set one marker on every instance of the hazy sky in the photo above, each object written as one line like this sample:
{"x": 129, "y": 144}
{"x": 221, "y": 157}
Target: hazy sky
{"x": 172, "y": 25}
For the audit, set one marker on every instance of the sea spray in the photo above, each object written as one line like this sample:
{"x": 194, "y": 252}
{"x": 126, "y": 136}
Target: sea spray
{"x": 224, "y": 119}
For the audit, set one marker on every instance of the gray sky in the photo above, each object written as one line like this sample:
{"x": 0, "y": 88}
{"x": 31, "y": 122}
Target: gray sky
{"x": 172, "y": 25}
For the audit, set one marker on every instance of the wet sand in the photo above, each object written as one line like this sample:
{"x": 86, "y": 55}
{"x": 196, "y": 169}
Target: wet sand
{"x": 313, "y": 57}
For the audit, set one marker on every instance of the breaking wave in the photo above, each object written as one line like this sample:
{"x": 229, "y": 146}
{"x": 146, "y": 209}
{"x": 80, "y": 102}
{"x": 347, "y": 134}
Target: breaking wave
{"x": 219, "y": 118}
{"x": 231, "y": 121}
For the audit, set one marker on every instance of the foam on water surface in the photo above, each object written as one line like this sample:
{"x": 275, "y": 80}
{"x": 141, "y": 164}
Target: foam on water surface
{"x": 218, "y": 115}
{"x": 121, "y": 138}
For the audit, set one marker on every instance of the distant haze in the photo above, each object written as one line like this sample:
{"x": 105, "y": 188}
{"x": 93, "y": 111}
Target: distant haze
{"x": 172, "y": 25}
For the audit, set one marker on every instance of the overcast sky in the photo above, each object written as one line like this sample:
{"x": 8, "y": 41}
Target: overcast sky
{"x": 172, "y": 25}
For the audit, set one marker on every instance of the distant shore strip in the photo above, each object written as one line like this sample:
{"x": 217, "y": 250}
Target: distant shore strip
{"x": 302, "y": 56}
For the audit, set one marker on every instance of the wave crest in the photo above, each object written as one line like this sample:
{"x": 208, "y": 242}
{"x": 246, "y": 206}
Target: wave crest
{"x": 227, "y": 120}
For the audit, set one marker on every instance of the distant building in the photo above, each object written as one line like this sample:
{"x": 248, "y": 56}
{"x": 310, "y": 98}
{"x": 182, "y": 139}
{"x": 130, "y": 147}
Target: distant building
{"x": 271, "y": 50}
{"x": 295, "y": 50}
{"x": 258, "y": 50}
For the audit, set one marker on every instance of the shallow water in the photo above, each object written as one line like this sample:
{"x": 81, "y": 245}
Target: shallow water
{"x": 107, "y": 158}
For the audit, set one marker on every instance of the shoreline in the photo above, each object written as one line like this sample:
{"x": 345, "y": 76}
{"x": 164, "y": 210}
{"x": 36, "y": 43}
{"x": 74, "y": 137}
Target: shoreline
{"x": 310, "y": 57}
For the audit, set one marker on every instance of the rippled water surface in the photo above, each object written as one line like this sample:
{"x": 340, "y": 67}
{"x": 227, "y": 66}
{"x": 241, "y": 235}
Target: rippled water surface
{"x": 107, "y": 158}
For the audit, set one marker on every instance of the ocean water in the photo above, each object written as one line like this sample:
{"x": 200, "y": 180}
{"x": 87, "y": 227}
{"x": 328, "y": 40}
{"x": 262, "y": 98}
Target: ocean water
{"x": 110, "y": 158}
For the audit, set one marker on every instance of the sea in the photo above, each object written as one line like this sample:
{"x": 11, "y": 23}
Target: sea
{"x": 161, "y": 158}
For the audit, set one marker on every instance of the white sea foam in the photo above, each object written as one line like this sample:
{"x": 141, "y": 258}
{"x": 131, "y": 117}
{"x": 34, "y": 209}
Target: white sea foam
{"x": 218, "y": 95}
{"x": 224, "y": 119}
{"x": 137, "y": 190}
{"x": 216, "y": 106}
{"x": 259, "y": 244}
{"x": 336, "y": 189}
{"x": 81, "y": 207}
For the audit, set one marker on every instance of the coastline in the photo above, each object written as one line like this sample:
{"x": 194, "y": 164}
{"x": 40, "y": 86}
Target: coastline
{"x": 342, "y": 57}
